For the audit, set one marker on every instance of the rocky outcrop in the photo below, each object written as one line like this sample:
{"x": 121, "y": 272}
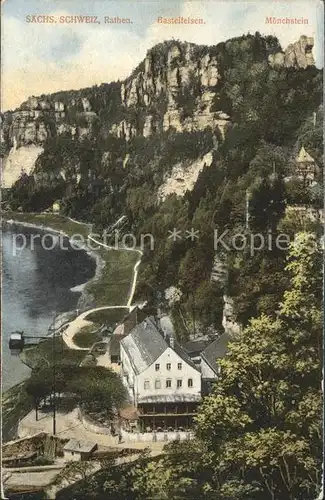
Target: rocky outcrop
{"x": 25, "y": 131}
{"x": 184, "y": 177}
{"x": 173, "y": 80}
{"x": 18, "y": 161}
{"x": 148, "y": 126}
{"x": 124, "y": 130}
{"x": 219, "y": 273}
{"x": 297, "y": 55}
{"x": 229, "y": 321}
{"x": 176, "y": 88}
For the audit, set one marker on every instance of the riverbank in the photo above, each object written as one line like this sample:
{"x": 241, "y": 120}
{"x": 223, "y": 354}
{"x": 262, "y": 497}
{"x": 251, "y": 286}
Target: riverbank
{"x": 116, "y": 271}
{"x": 113, "y": 285}
{"x": 48, "y": 224}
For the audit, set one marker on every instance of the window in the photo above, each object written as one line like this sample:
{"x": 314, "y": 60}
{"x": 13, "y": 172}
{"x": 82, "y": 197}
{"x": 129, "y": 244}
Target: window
{"x": 168, "y": 366}
{"x": 168, "y": 382}
{"x": 146, "y": 384}
{"x": 157, "y": 367}
{"x": 179, "y": 383}
{"x": 190, "y": 382}
{"x": 157, "y": 384}
{"x": 179, "y": 366}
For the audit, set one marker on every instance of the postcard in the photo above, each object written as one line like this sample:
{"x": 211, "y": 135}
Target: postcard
{"x": 162, "y": 217}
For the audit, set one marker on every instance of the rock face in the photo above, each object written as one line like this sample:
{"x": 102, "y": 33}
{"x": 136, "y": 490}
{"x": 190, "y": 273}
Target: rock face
{"x": 19, "y": 160}
{"x": 229, "y": 321}
{"x": 219, "y": 273}
{"x": 184, "y": 177}
{"x": 176, "y": 88}
{"x": 172, "y": 82}
{"x": 296, "y": 55}
{"x": 26, "y": 129}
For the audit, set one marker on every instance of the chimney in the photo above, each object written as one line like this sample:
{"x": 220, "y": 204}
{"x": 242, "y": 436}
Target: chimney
{"x": 171, "y": 342}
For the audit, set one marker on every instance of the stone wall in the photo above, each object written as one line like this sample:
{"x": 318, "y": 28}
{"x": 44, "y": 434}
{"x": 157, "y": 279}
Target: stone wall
{"x": 92, "y": 426}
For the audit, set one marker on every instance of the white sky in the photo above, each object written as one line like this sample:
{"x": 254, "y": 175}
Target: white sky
{"x": 44, "y": 58}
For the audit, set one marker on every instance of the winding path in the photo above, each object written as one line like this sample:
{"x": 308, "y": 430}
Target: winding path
{"x": 81, "y": 321}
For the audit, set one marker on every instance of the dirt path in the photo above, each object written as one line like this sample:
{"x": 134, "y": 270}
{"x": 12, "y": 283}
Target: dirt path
{"x": 81, "y": 321}
{"x": 135, "y": 268}
{"x": 69, "y": 425}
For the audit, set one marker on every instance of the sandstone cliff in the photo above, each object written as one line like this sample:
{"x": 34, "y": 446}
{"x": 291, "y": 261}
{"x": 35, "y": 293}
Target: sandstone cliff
{"x": 185, "y": 85}
{"x": 176, "y": 88}
{"x": 296, "y": 55}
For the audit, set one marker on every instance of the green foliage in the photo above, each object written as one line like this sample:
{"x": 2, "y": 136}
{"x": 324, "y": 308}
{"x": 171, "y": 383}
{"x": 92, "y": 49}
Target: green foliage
{"x": 101, "y": 390}
{"x": 16, "y": 403}
{"x": 87, "y": 336}
{"x": 102, "y": 177}
{"x": 108, "y": 317}
{"x": 34, "y": 356}
{"x": 259, "y": 433}
{"x": 262, "y": 423}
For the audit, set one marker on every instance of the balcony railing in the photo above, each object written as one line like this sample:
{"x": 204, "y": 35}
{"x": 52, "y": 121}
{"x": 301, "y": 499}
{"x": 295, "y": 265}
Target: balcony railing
{"x": 167, "y": 411}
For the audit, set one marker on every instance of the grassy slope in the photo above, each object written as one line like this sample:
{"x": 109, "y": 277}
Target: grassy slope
{"x": 109, "y": 317}
{"x": 55, "y": 221}
{"x": 112, "y": 289}
{"x": 34, "y": 356}
{"x": 87, "y": 336}
{"x": 15, "y": 405}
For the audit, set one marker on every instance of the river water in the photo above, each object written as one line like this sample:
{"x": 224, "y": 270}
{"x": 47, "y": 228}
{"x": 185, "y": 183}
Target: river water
{"x": 36, "y": 286}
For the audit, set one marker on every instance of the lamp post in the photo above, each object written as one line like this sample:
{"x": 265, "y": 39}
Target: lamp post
{"x": 17, "y": 344}
{"x": 36, "y": 400}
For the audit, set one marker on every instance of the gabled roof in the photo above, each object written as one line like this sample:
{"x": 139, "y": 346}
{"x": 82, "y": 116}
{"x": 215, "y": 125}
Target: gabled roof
{"x": 114, "y": 344}
{"x": 217, "y": 350}
{"x": 196, "y": 346}
{"x": 304, "y": 157}
{"x": 180, "y": 351}
{"x": 80, "y": 446}
{"x": 144, "y": 344}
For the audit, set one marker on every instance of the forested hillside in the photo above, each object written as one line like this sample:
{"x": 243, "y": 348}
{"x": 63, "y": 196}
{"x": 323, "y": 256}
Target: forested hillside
{"x": 198, "y": 142}
{"x": 191, "y": 138}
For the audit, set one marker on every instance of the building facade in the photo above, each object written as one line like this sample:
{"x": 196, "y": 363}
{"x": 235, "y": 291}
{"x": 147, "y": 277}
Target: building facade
{"x": 163, "y": 383}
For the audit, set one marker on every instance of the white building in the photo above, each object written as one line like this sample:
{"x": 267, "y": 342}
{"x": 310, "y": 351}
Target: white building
{"x": 163, "y": 382}
{"x": 77, "y": 451}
